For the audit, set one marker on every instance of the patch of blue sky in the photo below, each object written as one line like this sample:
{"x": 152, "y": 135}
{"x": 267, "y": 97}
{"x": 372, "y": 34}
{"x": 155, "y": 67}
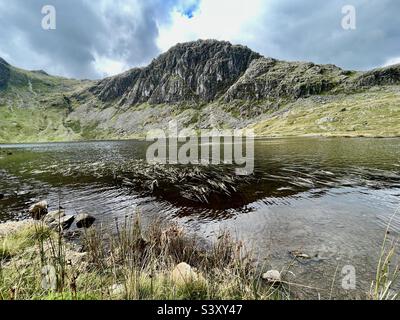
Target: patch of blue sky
{"x": 190, "y": 10}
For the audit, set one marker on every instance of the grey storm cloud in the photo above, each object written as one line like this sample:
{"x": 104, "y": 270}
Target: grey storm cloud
{"x": 292, "y": 30}
{"x": 84, "y": 28}
{"x": 311, "y": 30}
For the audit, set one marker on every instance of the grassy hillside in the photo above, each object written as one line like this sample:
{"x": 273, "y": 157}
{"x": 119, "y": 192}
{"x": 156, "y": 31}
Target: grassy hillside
{"x": 373, "y": 113}
{"x": 33, "y": 124}
{"x": 34, "y": 105}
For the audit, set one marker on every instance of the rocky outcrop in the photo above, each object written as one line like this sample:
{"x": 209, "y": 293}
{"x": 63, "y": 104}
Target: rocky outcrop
{"x": 378, "y": 77}
{"x": 4, "y": 62}
{"x": 191, "y": 72}
{"x": 4, "y": 73}
{"x": 268, "y": 78}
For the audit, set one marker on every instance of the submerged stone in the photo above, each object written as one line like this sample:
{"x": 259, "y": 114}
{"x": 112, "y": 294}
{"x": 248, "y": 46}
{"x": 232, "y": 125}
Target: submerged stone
{"x": 54, "y": 216}
{"x": 64, "y": 223}
{"x": 84, "y": 220}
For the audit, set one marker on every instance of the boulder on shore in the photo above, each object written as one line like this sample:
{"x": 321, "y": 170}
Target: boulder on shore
{"x": 184, "y": 273}
{"x": 38, "y": 210}
{"x": 272, "y": 276}
{"x": 84, "y": 220}
{"x": 117, "y": 290}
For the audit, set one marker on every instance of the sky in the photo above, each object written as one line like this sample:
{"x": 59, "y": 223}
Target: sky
{"x": 95, "y": 39}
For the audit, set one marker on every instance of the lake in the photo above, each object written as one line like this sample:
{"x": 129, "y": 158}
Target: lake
{"x": 330, "y": 199}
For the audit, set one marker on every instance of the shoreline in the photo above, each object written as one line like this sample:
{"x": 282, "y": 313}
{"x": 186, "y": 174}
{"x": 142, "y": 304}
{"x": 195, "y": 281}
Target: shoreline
{"x": 257, "y": 137}
{"x": 161, "y": 262}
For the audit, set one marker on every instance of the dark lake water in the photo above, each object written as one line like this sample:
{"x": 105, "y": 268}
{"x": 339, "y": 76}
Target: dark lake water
{"x": 331, "y": 199}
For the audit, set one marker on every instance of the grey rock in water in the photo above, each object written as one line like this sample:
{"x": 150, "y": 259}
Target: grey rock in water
{"x": 84, "y": 220}
{"x": 53, "y": 216}
{"x": 38, "y": 210}
{"x": 300, "y": 255}
{"x": 64, "y": 223}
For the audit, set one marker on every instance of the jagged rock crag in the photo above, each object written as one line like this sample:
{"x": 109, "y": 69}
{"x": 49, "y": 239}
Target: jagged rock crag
{"x": 4, "y": 73}
{"x": 384, "y": 76}
{"x": 190, "y": 72}
{"x": 268, "y": 78}
{"x": 207, "y": 70}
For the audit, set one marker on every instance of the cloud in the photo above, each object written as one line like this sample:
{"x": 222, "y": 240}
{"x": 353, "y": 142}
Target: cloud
{"x": 392, "y": 61}
{"x": 94, "y": 39}
{"x": 312, "y": 30}
{"x": 296, "y": 30}
{"x": 221, "y": 20}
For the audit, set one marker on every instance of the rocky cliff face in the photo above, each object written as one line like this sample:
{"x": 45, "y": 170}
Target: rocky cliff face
{"x": 378, "y": 77}
{"x": 268, "y": 78}
{"x": 191, "y": 72}
{"x": 4, "y": 73}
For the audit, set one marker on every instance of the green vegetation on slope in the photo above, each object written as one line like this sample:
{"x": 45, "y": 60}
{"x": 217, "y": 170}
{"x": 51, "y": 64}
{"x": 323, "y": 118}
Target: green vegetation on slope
{"x": 33, "y": 125}
{"x": 34, "y": 105}
{"x": 373, "y": 113}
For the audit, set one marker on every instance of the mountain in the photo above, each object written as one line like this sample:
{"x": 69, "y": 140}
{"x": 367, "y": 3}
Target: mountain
{"x": 191, "y": 72}
{"x": 34, "y": 105}
{"x": 202, "y": 84}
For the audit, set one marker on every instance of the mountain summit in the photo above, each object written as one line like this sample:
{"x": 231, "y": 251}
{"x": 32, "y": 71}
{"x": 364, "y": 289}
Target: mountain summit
{"x": 192, "y": 72}
{"x": 3, "y": 62}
